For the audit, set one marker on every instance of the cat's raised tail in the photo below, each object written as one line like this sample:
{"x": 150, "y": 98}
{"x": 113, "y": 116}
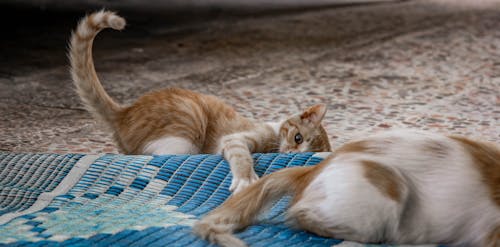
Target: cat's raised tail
{"x": 241, "y": 209}
{"x": 88, "y": 86}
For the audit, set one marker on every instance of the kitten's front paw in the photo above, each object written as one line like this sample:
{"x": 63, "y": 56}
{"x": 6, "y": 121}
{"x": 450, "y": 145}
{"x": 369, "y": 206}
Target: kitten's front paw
{"x": 239, "y": 183}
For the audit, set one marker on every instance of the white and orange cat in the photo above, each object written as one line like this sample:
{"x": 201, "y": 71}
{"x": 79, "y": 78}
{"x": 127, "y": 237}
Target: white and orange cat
{"x": 401, "y": 187}
{"x": 179, "y": 121}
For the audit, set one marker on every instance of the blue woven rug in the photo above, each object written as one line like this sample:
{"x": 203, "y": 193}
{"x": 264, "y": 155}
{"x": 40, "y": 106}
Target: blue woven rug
{"x": 118, "y": 200}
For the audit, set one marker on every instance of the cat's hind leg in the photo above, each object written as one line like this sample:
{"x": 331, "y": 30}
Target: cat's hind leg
{"x": 351, "y": 201}
{"x": 171, "y": 145}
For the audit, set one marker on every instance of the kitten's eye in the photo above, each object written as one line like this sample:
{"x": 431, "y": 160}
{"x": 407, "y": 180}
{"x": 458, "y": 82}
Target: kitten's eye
{"x": 298, "y": 138}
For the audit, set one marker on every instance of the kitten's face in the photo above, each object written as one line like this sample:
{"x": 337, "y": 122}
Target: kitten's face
{"x": 304, "y": 132}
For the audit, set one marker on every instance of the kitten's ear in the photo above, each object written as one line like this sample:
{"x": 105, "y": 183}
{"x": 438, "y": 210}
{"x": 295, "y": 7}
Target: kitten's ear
{"x": 314, "y": 114}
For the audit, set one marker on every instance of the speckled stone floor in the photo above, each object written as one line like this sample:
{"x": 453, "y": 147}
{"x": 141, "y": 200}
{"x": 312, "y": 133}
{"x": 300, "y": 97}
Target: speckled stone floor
{"x": 429, "y": 64}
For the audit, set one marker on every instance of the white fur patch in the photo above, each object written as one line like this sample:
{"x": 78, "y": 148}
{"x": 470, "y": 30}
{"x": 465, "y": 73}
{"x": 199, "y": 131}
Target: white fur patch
{"x": 276, "y": 126}
{"x": 171, "y": 145}
{"x": 238, "y": 183}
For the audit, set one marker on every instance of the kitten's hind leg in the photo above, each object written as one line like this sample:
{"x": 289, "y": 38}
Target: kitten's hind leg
{"x": 171, "y": 145}
{"x": 307, "y": 219}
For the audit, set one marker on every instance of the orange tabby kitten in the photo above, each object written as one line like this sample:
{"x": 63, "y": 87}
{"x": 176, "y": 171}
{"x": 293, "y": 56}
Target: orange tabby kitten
{"x": 178, "y": 121}
{"x": 398, "y": 187}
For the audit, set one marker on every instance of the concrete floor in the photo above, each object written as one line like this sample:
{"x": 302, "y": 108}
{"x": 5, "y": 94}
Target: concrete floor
{"x": 428, "y": 64}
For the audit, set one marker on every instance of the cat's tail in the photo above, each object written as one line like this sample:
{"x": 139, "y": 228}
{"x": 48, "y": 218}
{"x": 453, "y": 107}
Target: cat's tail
{"x": 88, "y": 86}
{"x": 241, "y": 209}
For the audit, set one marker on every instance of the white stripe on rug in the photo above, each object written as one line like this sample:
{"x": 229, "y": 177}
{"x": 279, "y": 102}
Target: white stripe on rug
{"x": 66, "y": 184}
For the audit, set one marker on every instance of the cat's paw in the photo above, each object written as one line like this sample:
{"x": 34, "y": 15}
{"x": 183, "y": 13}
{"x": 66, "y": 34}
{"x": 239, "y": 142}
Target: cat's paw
{"x": 240, "y": 183}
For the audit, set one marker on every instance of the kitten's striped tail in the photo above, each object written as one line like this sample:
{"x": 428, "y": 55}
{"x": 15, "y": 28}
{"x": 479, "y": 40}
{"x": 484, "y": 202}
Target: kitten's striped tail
{"x": 241, "y": 209}
{"x": 88, "y": 86}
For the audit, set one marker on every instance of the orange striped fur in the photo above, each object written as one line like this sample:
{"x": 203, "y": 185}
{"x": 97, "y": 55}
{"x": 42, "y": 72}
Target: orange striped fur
{"x": 178, "y": 121}
{"x": 487, "y": 159}
{"x": 384, "y": 179}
